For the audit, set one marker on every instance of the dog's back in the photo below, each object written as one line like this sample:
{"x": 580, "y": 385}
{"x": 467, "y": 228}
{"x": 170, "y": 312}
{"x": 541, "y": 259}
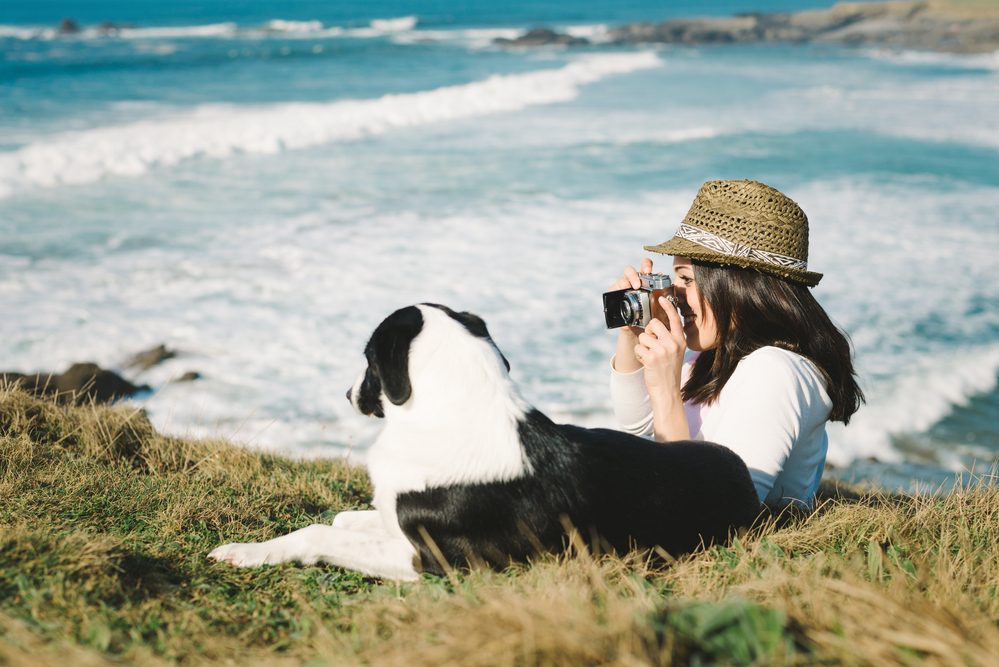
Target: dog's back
{"x": 617, "y": 490}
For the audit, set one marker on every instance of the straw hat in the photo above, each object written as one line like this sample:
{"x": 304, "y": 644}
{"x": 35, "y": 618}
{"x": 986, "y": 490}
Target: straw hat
{"x": 747, "y": 224}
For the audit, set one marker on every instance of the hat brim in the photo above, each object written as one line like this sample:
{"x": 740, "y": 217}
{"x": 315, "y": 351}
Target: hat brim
{"x": 685, "y": 248}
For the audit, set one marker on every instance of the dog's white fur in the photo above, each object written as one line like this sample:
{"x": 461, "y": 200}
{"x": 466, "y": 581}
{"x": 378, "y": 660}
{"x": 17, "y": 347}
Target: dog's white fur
{"x": 451, "y": 373}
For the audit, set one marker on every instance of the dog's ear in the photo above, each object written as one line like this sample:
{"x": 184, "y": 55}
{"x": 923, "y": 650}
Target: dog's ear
{"x": 390, "y": 346}
{"x": 477, "y": 327}
{"x": 475, "y": 324}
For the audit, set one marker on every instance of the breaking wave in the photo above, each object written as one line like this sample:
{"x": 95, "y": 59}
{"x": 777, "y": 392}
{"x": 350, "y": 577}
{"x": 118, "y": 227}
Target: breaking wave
{"x": 218, "y": 131}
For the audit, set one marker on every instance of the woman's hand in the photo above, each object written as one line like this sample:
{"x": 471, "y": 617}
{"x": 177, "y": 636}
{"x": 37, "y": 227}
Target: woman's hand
{"x": 630, "y": 279}
{"x": 660, "y": 349}
{"x": 624, "y": 357}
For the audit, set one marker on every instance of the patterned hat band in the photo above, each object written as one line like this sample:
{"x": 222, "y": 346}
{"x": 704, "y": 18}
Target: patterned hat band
{"x": 726, "y": 247}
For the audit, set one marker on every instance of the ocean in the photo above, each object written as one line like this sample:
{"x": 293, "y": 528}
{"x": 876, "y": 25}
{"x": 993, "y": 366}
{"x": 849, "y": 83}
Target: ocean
{"x": 257, "y": 185}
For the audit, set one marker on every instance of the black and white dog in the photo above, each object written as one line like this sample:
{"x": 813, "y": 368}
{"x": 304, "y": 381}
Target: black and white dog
{"x": 466, "y": 472}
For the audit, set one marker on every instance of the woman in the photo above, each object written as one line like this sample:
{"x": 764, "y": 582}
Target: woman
{"x": 768, "y": 368}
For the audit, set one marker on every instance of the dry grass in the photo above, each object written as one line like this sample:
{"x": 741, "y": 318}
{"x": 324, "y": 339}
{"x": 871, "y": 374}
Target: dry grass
{"x": 105, "y": 525}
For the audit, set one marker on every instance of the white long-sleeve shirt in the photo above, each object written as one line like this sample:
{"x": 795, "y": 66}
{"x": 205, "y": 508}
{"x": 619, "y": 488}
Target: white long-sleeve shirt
{"x": 772, "y": 412}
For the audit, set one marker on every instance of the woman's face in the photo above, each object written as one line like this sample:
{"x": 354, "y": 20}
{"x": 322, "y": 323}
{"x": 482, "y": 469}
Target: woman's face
{"x": 699, "y": 324}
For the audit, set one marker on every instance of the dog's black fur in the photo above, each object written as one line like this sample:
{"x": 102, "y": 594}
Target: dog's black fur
{"x": 617, "y": 490}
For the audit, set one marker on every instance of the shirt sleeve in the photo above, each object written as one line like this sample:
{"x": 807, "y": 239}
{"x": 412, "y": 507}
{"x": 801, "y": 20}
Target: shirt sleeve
{"x": 762, "y": 410}
{"x": 630, "y": 401}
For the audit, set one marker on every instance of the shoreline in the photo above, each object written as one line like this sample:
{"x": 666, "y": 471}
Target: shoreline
{"x": 947, "y": 26}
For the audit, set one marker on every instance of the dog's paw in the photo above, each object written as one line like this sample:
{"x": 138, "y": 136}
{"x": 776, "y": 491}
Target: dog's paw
{"x": 240, "y": 555}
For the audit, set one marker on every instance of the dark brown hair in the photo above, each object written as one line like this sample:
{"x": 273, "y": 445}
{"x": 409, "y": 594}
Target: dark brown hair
{"x": 753, "y": 310}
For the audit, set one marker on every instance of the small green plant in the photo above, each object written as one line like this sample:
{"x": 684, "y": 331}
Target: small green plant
{"x": 733, "y": 631}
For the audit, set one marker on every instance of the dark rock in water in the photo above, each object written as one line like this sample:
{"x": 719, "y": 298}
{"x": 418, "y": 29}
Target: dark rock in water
{"x": 68, "y": 26}
{"x": 148, "y": 358}
{"x": 189, "y": 376}
{"x": 93, "y": 382}
{"x": 542, "y": 37}
{"x": 81, "y": 383}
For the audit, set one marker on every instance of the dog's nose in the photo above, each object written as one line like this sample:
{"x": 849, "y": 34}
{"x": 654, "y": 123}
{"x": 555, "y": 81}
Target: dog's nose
{"x": 348, "y": 394}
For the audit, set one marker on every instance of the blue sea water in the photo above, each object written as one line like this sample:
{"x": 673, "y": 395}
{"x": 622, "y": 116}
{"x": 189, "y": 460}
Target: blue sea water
{"x": 258, "y": 184}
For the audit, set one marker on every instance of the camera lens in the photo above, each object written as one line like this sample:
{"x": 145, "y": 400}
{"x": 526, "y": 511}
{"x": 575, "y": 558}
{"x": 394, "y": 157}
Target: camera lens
{"x": 626, "y": 313}
{"x": 631, "y": 310}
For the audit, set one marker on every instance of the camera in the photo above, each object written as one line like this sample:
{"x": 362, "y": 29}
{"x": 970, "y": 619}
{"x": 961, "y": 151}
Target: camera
{"x": 637, "y": 307}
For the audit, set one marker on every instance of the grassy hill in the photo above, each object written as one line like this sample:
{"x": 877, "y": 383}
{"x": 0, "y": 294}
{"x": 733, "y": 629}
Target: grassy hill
{"x": 105, "y": 524}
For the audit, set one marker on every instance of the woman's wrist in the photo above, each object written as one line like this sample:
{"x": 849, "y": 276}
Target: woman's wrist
{"x": 668, "y": 417}
{"x": 668, "y": 398}
{"x": 624, "y": 354}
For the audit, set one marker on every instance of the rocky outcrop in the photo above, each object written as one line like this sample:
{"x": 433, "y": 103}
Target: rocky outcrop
{"x": 68, "y": 26}
{"x": 148, "y": 358}
{"x": 542, "y": 37}
{"x": 81, "y": 383}
{"x": 934, "y": 25}
{"x": 88, "y": 382}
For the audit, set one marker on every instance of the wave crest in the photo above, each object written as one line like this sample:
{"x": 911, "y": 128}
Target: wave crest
{"x": 218, "y": 131}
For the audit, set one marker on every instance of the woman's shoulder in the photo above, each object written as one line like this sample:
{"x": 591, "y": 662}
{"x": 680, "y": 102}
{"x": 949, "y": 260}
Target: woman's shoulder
{"x": 770, "y": 377}
{"x": 775, "y": 364}
{"x": 770, "y": 354}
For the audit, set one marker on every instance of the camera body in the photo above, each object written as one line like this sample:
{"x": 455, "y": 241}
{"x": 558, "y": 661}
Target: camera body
{"x": 637, "y": 307}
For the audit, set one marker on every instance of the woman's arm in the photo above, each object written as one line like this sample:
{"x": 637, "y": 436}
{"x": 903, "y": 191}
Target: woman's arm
{"x": 629, "y": 397}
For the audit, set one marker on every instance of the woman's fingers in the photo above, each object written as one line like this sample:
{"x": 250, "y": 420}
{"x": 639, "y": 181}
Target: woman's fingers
{"x": 656, "y": 335}
{"x": 673, "y": 319}
{"x": 630, "y": 280}
{"x": 632, "y": 276}
{"x": 659, "y": 341}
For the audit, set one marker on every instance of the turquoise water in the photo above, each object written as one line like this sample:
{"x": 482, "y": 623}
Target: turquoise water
{"x": 258, "y": 184}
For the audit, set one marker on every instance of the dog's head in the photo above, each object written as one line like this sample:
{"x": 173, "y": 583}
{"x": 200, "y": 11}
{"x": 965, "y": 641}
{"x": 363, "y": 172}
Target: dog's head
{"x": 427, "y": 340}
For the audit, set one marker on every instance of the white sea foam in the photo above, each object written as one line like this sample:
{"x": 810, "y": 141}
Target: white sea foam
{"x": 912, "y": 401}
{"x": 907, "y": 271}
{"x": 217, "y": 131}
{"x": 399, "y": 24}
{"x": 274, "y": 310}
{"x": 211, "y": 30}
{"x": 26, "y": 32}
{"x": 485, "y": 37}
{"x": 826, "y": 96}
{"x": 226, "y": 29}
{"x": 596, "y": 33}
{"x": 281, "y": 25}
{"x": 304, "y": 282}
{"x": 281, "y": 28}
{"x": 958, "y": 109}
{"x": 475, "y": 38}
{"x": 988, "y": 61}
